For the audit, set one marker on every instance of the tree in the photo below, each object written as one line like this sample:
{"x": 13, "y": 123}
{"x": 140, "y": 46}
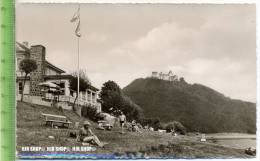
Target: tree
{"x": 176, "y": 126}
{"x": 114, "y": 100}
{"x": 110, "y": 96}
{"x": 132, "y": 110}
{"x": 182, "y": 80}
{"x": 82, "y": 74}
{"x": 27, "y": 66}
{"x": 84, "y": 83}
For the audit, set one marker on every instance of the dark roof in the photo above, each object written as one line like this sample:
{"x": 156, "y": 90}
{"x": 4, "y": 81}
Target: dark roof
{"x": 18, "y": 78}
{"x": 67, "y": 76}
{"x": 54, "y": 67}
{"x": 93, "y": 88}
{"x": 19, "y": 47}
{"x": 54, "y": 77}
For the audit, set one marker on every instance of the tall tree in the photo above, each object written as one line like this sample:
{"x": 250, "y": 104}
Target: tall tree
{"x": 84, "y": 83}
{"x": 113, "y": 98}
{"x": 110, "y": 96}
{"x": 27, "y": 66}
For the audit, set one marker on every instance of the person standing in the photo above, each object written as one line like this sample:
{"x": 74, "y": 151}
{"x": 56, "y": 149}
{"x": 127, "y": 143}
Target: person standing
{"x": 122, "y": 120}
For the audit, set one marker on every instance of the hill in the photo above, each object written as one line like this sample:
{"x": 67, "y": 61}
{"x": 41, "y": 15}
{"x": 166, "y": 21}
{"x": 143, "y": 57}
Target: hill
{"x": 197, "y": 107}
{"x": 31, "y": 132}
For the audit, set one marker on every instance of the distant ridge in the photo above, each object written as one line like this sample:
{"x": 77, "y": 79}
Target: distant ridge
{"x": 197, "y": 107}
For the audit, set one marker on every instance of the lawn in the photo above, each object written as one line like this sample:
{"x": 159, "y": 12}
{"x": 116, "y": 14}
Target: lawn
{"x": 31, "y": 131}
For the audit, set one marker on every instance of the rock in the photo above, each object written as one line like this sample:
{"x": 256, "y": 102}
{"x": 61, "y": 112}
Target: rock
{"x": 251, "y": 151}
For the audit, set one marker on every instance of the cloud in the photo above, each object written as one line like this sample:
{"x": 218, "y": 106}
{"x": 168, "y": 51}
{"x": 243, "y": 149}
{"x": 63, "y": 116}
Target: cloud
{"x": 209, "y": 44}
{"x": 96, "y": 38}
{"x": 209, "y": 54}
{"x": 224, "y": 75}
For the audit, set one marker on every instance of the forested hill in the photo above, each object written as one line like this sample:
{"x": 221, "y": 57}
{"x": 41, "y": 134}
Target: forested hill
{"x": 197, "y": 107}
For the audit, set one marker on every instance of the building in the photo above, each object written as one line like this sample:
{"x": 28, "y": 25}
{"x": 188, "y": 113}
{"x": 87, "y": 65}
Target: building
{"x": 47, "y": 72}
{"x": 164, "y": 76}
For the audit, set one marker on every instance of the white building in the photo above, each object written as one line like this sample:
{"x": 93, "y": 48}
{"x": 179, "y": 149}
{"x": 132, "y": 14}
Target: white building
{"x": 164, "y": 76}
{"x": 47, "y": 72}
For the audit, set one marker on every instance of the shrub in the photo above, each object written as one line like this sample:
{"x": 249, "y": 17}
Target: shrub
{"x": 91, "y": 113}
{"x": 176, "y": 126}
{"x": 152, "y": 122}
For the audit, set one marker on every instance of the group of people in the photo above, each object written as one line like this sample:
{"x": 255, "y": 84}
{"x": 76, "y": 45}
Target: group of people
{"x": 133, "y": 126}
{"x": 86, "y": 135}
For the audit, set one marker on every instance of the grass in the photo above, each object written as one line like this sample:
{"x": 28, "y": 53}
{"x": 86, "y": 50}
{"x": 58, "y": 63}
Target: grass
{"x": 31, "y": 131}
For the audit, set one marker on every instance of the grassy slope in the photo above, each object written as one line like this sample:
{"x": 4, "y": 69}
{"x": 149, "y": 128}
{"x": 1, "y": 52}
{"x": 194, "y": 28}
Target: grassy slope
{"x": 32, "y": 132}
{"x": 197, "y": 107}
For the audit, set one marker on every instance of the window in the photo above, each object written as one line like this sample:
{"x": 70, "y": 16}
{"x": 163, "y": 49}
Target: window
{"x": 71, "y": 93}
{"x": 20, "y": 87}
{"x": 18, "y": 60}
{"x": 62, "y": 85}
{"x": 62, "y": 92}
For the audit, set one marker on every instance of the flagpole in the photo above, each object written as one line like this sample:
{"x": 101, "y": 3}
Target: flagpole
{"x": 78, "y": 71}
{"x": 78, "y": 59}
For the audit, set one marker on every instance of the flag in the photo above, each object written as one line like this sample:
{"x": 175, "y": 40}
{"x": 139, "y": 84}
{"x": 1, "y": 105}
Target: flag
{"x": 76, "y": 17}
{"x": 77, "y": 31}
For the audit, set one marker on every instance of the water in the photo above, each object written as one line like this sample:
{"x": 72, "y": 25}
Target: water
{"x": 238, "y": 141}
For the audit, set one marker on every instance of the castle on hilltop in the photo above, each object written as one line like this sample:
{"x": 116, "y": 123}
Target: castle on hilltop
{"x": 164, "y": 76}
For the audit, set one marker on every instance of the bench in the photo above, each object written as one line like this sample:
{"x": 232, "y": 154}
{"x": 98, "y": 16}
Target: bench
{"x": 56, "y": 120}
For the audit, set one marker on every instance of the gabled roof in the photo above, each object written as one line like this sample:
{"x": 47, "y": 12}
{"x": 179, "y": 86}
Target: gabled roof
{"x": 19, "y": 47}
{"x": 48, "y": 64}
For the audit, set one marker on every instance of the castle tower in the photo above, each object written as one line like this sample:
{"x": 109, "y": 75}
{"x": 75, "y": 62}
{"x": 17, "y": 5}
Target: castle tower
{"x": 170, "y": 73}
{"x": 170, "y": 76}
{"x": 37, "y": 53}
{"x": 155, "y": 74}
{"x": 160, "y": 75}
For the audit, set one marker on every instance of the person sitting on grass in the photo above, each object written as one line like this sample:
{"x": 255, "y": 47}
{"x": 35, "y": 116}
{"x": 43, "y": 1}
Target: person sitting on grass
{"x": 87, "y": 136}
{"x": 135, "y": 128}
{"x": 134, "y": 125}
{"x": 173, "y": 132}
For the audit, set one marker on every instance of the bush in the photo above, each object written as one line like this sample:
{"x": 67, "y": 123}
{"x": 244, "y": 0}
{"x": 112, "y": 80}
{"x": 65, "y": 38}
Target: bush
{"x": 112, "y": 97}
{"x": 152, "y": 122}
{"x": 176, "y": 126}
{"x": 91, "y": 113}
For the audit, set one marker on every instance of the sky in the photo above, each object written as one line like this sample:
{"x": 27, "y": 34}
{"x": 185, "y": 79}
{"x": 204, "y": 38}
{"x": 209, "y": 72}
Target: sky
{"x": 214, "y": 45}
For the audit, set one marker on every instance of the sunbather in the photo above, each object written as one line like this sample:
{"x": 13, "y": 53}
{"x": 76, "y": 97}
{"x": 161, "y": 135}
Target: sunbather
{"x": 87, "y": 136}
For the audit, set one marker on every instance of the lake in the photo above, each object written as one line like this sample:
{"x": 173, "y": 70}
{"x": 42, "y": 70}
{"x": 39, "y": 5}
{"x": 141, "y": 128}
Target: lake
{"x": 234, "y": 140}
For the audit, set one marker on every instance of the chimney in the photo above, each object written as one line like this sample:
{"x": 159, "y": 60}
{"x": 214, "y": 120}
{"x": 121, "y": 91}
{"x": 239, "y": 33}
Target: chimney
{"x": 37, "y": 53}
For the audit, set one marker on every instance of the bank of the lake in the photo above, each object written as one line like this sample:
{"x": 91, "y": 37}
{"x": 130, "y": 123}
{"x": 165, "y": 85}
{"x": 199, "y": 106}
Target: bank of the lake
{"x": 233, "y": 140}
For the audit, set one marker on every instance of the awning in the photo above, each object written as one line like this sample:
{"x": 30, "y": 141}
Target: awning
{"x": 49, "y": 85}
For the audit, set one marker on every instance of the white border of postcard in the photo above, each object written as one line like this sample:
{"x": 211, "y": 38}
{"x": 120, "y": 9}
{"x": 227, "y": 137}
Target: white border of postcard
{"x": 182, "y": 2}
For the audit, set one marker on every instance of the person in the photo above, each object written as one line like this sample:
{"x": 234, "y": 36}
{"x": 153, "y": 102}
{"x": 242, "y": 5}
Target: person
{"x": 87, "y": 136}
{"x": 122, "y": 120}
{"x": 134, "y": 125}
{"x": 173, "y": 132}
